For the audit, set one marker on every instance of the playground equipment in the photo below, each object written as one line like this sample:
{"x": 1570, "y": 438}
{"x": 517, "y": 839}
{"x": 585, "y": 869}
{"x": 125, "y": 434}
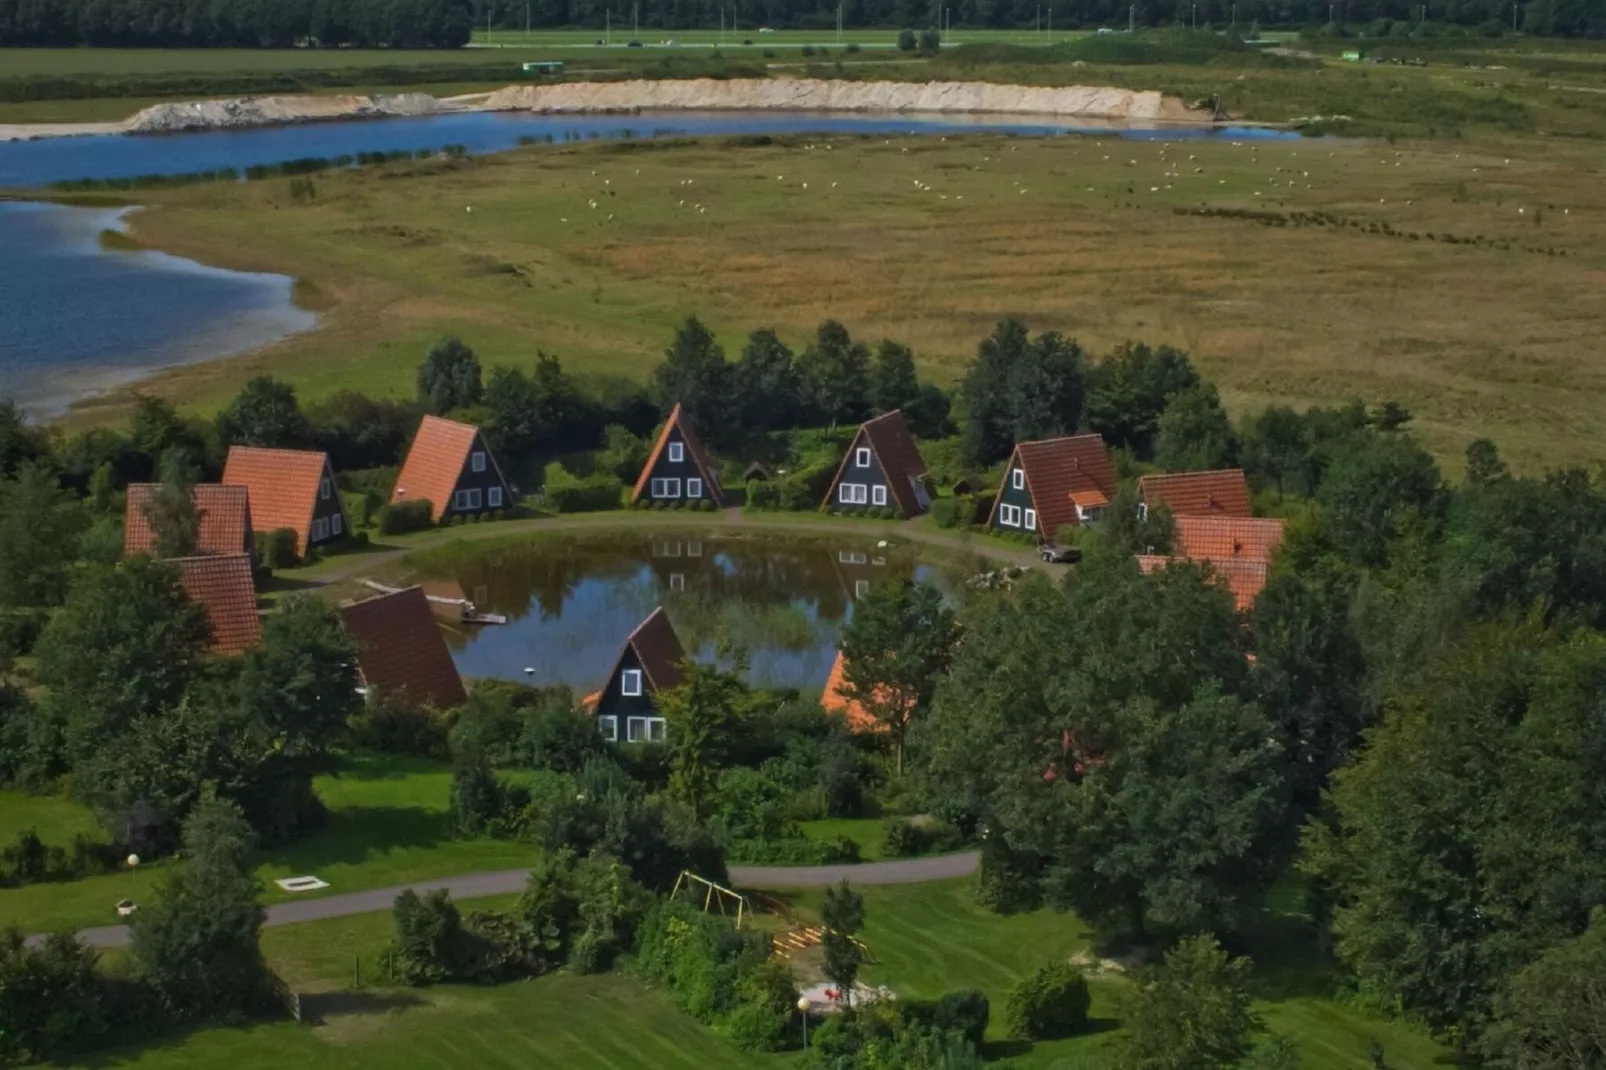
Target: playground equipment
{"x": 713, "y": 894}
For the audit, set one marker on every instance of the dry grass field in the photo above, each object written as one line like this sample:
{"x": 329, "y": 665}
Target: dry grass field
{"x": 1482, "y": 311}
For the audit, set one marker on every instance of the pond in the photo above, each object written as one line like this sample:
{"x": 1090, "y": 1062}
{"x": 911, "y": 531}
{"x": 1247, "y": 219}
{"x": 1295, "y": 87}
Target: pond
{"x": 570, "y": 603}
{"x": 26, "y": 164}
{"x": 77, "y": 318}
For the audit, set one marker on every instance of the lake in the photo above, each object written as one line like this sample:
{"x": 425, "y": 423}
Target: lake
{"x": 77, "y": 319}
{"x": 571, "y": 603}
{"x": 27, "y": 164}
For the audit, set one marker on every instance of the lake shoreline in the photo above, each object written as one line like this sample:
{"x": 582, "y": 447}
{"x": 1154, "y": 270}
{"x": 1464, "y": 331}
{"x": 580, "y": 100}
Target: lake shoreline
{"x": 640, "y": 96}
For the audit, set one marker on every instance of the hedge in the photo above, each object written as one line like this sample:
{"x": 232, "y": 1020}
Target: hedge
{"x": 277, "y": 548}
{"x": 402, "y": 517}
{"x": 570, "y": 494}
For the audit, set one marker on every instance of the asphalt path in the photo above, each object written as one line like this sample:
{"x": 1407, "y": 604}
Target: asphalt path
{"x": 512, "y": 881}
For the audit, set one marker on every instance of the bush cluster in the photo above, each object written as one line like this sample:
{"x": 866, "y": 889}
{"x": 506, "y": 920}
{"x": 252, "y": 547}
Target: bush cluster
{"x": 571, "y": 494}
{"x": 276, "y": 549}
{"x": 399, "y": 518}
{"x": 718, "y": 975}
{"x": 1051, "y": 1003}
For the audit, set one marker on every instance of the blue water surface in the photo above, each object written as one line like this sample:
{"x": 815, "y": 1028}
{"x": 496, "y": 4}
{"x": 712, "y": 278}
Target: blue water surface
{"x": 76, "y": 319}
{"x": 27, "y": 164}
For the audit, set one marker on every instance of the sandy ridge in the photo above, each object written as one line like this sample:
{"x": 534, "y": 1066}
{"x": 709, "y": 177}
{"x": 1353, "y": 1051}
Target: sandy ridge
{"x": 701, "y": 94}
{"x": 816, "y": 94}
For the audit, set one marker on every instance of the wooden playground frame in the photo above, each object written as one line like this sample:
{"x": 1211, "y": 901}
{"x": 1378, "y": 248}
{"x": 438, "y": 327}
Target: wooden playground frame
{"x": 713, "y": 894}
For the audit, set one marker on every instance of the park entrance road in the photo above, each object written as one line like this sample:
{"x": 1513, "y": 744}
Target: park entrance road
{"x": 511, "y": 882}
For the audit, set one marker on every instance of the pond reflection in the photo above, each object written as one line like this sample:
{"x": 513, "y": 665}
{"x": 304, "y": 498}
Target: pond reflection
{"x": 570, "y": 604}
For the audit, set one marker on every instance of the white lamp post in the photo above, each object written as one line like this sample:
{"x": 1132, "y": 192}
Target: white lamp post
{"x": 803, "y": 1008}
{"x": 133, "y": 868}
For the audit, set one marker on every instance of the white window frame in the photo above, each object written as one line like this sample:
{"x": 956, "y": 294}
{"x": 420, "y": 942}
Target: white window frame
{"x": 476, "y": 461}
{"x": 666, "y": 487}
{"x": 694, "y": 548}
{"x": 861, "y": 457}
{"x": 1017, "y": 479}
{"x": 852, "y": 494}
{"x": 323, "y": 489}
{"x": 474, "y": 497}
{"x": 1143, "y": 511}
{"x": 1008, "y": 515}
{"x": 320, "y": 529}
{"x": 861, "y": 588}
{"x": 645, "y": 729}
{"x": 608, "y": 725}
{"x": 1030, "y": 523}
{"x": 631, "y": 678}
{"x": 694, "y": 488}
{"x": 677, "y": 452}
{"x": 878, "y": 494}
{"x": 677, "y": 581}
{"x": 336, "y": 524}
{"x": 493, "y": 497}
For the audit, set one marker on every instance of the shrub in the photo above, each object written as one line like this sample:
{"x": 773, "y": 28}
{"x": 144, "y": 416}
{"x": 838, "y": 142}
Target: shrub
{"x": 400, "y": 728}
{"x": 402, "y": 517}
{"x": 431, "y": 944}
{"x": 1051, "y": 1003}
{"x": 903, "y": 839}
{"x": 852, "y": 49}
{"x": 964, "y": 1012}
{"x": 930, "y": 41}
{"x": 570, "y": 494}
{"x": 19, "y": 631}
{"x": 277, "y": 549}
{"x": 906, "y": 40}
{"x": 808, "y": 50}
{"x": 705, "y": 506}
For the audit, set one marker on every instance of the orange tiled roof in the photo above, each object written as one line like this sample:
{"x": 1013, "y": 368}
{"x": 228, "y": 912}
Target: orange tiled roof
{"x": 283, "y": 485}
{"x": 1244, "y": 578}
{"x": 694, "y": 447}
{"x": 1227, "y": 538}
{"x": 890, "y": 439}
{"x": 225, "y": 513}
{"x": 400, "y": 649}
{"x": 1058, "y": 469}
{"x": 1221, "y": 493}
{"x": 221, "y": 585}
{"x": 834, "y": 701}
{"x": 435, "y": 463}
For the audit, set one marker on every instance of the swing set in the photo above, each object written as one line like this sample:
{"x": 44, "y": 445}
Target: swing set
{"x": 713, "y": 895}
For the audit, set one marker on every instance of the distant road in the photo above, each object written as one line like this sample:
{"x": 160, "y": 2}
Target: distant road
{"x": 511, "y": 882}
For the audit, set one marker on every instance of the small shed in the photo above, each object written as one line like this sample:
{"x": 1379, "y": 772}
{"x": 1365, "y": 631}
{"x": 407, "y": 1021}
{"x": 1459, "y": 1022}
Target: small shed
{"x": 756, "y": 471}
{"x": 545, "y": 66}
{"x": 971, "y": 484}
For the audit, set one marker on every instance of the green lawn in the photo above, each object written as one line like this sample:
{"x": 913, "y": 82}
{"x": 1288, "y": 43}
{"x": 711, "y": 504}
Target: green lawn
{"x": 865, "y": 830}
{"x": 608, "y": 1022}
{"x": 57, "y": 821}
{"x": 387, "y": 825}
{"x": 931, "y": 938}
{"x": 926, "y": 939}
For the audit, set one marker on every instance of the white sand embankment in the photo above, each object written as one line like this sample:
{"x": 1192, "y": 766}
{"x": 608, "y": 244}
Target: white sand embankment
{"x": 815, "y": 94}
{"x": 268, "y": 111}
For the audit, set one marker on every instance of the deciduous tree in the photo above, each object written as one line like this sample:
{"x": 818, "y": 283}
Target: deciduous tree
{"x": 835, "y": 374}
{"x": 693, "y": 374}
{"x": 40, "y": 524}
{"x": 893, "y": 383}
{"x": 264, "y": 413}
{"x": 1129, "y": 389}
{"x": 1194, "y": 433}
{"x": 703, "y": 714}
{"x": 898, "y": 643}
{"x": 1192, "y": 1013}
{"x": 449, "y": 378}
{"x": 196, "y": 945}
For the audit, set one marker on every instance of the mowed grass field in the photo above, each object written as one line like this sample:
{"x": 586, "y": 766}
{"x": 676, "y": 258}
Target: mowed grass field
{"x": 926, "y": 939}
{"x": 388, "y": 824}
{"x": 931, "y": 241}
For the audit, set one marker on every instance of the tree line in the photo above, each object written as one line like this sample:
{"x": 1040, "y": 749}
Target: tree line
{"x": 237, "y": 23}
{"x": 1562, "y": 17}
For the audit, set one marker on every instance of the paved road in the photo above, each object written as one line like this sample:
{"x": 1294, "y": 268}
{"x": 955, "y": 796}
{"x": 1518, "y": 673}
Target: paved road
{"x": 511, "y": 881}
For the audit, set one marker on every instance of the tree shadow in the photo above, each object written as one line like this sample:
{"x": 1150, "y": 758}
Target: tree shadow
{"x": 353, "y": 835}
{"x": 318, "y": 1007}
{"x": 994, "y": 1050}
{"x": 277, "y": 584}
{"x": 141, "y": 1051}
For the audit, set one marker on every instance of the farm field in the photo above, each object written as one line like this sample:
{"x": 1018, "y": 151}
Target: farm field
{"x": 927, "y": 939}
{"x": 388, "y": 824}
{"x": 1458, "y": 278}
